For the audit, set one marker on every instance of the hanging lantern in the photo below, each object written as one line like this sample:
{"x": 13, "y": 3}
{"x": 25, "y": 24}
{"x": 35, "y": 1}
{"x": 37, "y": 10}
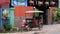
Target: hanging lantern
{"x": 52, "y": 2}
{"x": 39, "y": 2}
{"x": 47, "y": 3}
{"x": 31, "y": 2}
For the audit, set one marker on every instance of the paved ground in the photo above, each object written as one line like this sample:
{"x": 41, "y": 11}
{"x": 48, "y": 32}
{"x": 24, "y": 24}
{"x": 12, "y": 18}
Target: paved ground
{"x": 47, "y": 29}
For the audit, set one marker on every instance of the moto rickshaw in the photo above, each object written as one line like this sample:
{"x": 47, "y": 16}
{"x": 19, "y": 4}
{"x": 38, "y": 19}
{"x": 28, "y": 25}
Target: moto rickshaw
{"x": 31, "y": 22}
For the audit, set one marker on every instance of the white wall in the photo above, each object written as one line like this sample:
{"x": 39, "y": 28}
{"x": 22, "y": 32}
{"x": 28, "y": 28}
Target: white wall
{"x": 59, "y": 3}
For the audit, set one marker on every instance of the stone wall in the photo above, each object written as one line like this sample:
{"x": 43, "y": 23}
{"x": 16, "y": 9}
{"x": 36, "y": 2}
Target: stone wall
{"x": 17, "y": 21}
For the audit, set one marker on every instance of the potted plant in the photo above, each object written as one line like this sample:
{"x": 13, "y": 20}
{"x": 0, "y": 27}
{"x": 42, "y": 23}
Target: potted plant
{"x": 2, "y": 30}
{"x": 58, "y": 13}
{"x": 7, "y": 27}
{"x": 55, "y": 17}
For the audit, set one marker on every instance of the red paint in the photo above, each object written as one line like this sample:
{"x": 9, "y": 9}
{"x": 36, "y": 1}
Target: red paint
{"x": 5, "y": 2}
{"x": 0, "y": 5}
{"x": 20, "y": 10}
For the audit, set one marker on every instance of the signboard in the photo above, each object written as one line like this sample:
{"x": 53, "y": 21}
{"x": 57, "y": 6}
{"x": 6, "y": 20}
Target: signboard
{"x": 1, "y": 24}
{"x": 19, "y": 2}
{"x": 5, "y": 14}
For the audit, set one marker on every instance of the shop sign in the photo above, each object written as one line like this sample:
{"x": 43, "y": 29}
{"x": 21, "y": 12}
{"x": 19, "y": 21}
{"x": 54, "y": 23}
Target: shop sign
{"x": 19, "y": 2}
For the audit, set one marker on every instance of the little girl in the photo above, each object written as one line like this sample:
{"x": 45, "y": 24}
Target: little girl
{"x": 22, "y": 24}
